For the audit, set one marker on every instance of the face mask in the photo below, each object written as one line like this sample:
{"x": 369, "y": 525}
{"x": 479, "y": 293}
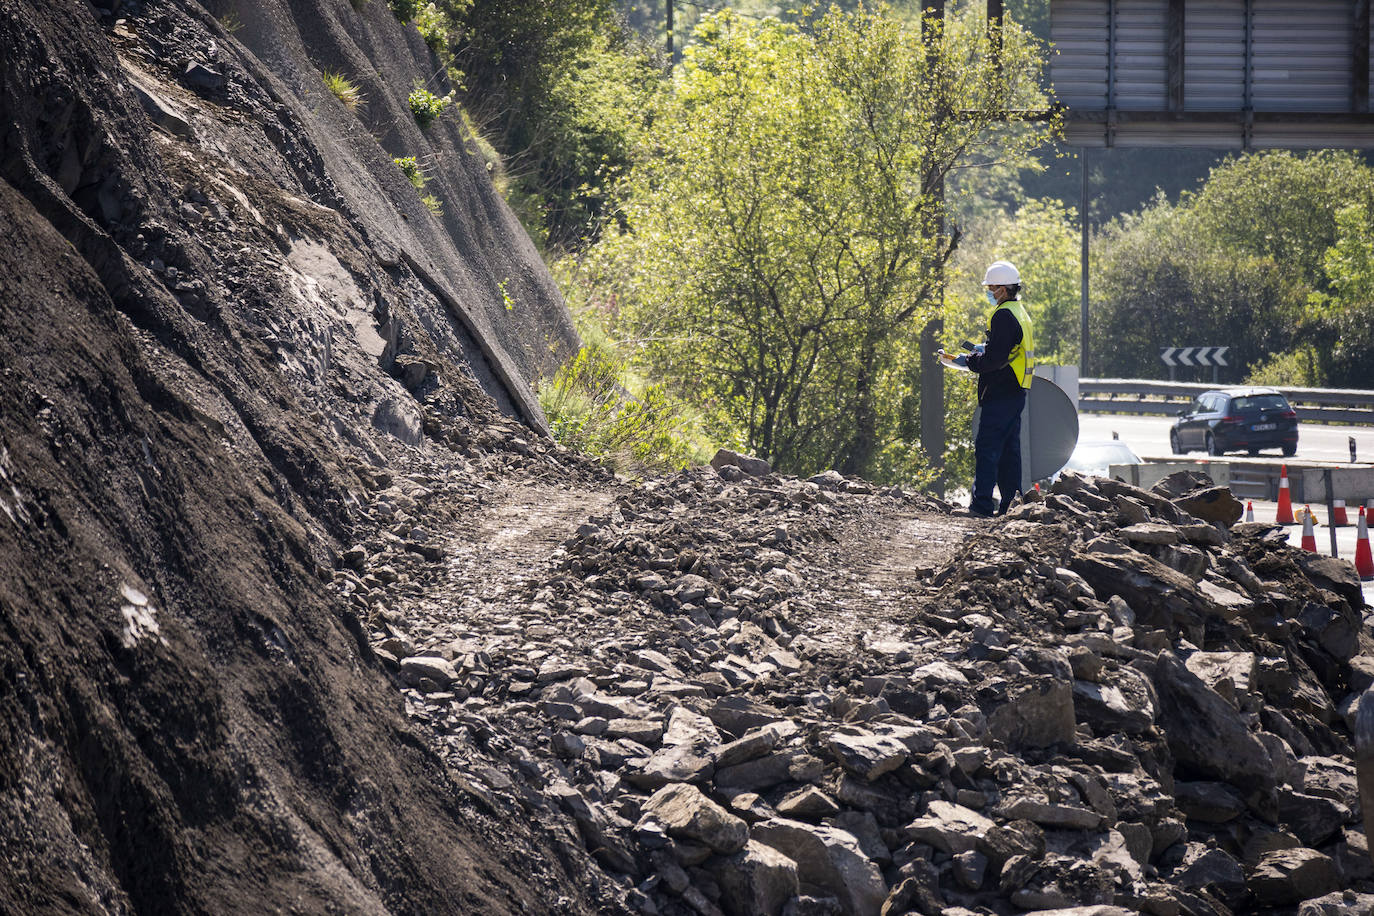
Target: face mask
{"x": 992, "y": 300}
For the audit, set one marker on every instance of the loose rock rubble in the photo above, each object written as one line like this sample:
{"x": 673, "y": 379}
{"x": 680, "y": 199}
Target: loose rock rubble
{"x": 1099, "y": 704}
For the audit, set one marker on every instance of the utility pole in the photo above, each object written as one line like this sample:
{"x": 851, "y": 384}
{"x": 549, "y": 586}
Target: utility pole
{"x": 932, "y": 374}
{"x": 1083, "y": 268}
{"x": 669, "y": 5}
{"x": 995, "y": 23}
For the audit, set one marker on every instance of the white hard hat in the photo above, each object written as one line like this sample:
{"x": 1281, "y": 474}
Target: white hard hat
{"x": 1001, "y": 273}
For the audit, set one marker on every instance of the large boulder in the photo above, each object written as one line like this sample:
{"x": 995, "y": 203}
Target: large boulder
{"x": 756, "y": 881}
{"x": 949, "y": 827}
{"x": 1336, "y": 903}
{"x": 689, "y": 815}
{"x": 1038, "y": 712}
{"x": 830, "y": 859}
{"x": 867, "y": 755}
{"x": 1314, "y": 819}
{"x": 1207, "y": 734}
{"x": 1181, "y": 483}
{"x": 434, "y": 668}
{"x": 1157, "y": 593}
{"x": 686, "y": 754}
{"x": 1230, "y": 674}
{"x": 1288, "y": 876}
{"x": 1213, "y": 870}
{"x": 755, "y": 467}
{"x": 1123, "y": 701}
{"x": 1212, "y": 504}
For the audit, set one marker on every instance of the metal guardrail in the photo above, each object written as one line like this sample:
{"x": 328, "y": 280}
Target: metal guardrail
{"x": 1146, "y": 397}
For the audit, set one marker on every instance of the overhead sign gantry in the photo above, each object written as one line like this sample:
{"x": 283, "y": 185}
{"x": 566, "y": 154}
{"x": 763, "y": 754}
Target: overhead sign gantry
{"x": 1236, "y": 74}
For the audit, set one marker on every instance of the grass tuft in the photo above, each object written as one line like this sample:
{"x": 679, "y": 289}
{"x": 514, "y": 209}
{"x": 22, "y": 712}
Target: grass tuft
{"x": 595, "y": 405}
{"x": 344, "y": 90}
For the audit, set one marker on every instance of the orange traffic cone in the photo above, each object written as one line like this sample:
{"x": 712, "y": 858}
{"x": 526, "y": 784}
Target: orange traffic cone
{"x": 1285, "y": 515}
{"x": 1338, "y": 516}
{"x": 1309, "y": 537}
{"x": 1364, "y": 562}
{"x": 1249, "y": 510}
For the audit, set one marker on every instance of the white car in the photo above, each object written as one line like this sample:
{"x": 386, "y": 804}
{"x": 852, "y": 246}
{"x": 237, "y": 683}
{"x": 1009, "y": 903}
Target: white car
{"x": 1094, "y": 457}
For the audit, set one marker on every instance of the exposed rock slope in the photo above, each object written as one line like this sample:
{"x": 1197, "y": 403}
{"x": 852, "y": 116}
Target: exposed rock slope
{"x": 219, "y": 299}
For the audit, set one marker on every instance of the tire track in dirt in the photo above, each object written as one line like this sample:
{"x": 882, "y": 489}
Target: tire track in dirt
{"x": 876, "y": 574}
{"x": 506, "y": 541}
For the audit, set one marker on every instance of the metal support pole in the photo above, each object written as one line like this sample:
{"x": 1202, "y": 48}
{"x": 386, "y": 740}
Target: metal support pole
{"x": 933, "y": 402}
{"x": 1083, "y": 265}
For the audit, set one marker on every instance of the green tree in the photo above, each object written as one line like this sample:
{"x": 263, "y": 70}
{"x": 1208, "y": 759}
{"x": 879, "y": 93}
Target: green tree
{"x": 1281, "y": 205}
{"x": 1342, "y": 320}
{"x": 1254, "y": 260}
{"x": 781, "y": 245}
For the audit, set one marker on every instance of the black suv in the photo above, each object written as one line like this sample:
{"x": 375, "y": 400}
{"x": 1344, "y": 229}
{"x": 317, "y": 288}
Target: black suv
{"x": 1236, "y": 419}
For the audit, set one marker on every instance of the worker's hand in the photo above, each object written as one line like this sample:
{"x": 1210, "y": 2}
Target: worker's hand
{"x": 958, "y": 362}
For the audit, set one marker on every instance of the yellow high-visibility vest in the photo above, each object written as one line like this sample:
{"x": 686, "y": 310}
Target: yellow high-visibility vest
{"x": 1024, "y": 352}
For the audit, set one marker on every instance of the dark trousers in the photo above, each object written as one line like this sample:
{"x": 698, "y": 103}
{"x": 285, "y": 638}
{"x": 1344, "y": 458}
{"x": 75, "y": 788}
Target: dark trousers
{"x": 997, "y": 453}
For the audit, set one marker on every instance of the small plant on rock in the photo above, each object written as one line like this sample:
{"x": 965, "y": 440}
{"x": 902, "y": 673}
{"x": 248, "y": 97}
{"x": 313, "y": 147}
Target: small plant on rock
{"x": 433, "y": 27}
{"x": 411, "y": 168}
{"x": 345, "y": 90}
{"x": 404, "y": 9}
{"x": 426, "y": 106}
{"x": 435, "y": 205}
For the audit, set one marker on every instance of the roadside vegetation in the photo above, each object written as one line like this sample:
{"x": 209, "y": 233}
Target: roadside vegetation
{"x": 596, "y": 404}
{"x": 777, "y": 244}
{"x": 1272, "y": 256}
{"x": 754, "y": 236}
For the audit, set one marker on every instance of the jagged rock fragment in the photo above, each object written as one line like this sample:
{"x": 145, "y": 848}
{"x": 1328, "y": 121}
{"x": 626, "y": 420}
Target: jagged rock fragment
{"x": 689, "y": 815}
{"x": 830, "y": 859}
{"x": 1288, "y": 876}
{"x": 758, "y": 880}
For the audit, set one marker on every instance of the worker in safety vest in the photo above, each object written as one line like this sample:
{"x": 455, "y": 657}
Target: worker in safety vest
{"x": 1003, "y": 365}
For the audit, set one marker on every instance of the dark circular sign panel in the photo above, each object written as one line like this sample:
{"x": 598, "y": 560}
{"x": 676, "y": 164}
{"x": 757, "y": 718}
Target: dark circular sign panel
{"x": 1053, "y": 428}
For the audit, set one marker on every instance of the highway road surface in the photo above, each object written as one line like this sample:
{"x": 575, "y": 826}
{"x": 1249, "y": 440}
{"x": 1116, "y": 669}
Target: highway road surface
{"x": 1149, "y": 436}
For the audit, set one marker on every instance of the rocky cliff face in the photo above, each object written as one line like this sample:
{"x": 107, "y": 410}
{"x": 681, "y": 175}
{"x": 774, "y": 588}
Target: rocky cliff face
{"x": 219, "y": 300}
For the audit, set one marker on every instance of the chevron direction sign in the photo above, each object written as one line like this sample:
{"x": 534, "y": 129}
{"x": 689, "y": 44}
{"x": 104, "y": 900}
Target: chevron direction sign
{"x": 1193, "y": 356}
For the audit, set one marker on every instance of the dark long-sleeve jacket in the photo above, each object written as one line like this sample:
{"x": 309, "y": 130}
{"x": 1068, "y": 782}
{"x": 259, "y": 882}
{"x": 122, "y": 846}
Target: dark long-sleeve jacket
{"x": 996, "y": 379}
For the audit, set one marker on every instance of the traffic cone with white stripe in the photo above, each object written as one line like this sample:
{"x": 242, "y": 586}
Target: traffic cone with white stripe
{"x": 1249, "y": 510}
{"x": 1338, "y": 516}
{"x": 1364, "y": 561}
{"x": 1309, "y": 537}
{"x": 1285, "y": 515}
